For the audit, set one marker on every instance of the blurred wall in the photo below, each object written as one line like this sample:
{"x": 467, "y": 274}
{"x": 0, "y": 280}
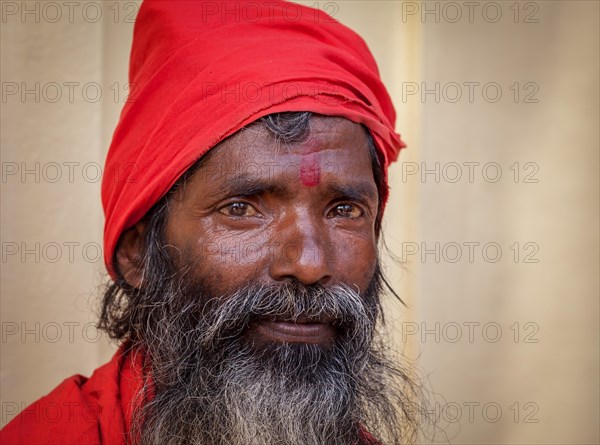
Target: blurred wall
{"x": 64, "y": 81}
{"x": 528, "y": 373}
{"x": 494, "y": 206}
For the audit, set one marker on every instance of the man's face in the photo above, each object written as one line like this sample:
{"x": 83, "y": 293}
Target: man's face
{"x": 262, "y": 212}
{"x": 258, "y": 300}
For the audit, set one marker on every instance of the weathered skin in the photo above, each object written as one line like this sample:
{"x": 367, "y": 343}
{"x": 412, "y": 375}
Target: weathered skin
{"x": 266, "y": 212}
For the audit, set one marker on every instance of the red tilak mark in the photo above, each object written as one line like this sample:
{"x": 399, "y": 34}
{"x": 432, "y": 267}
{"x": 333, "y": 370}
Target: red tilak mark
{"x": 310, "y": 171}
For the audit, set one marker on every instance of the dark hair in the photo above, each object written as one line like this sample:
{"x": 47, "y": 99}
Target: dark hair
{"x": 120, "y": 297}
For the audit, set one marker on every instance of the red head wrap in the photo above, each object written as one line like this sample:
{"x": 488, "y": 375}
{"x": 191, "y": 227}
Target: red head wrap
{"x": 200, "y": 71}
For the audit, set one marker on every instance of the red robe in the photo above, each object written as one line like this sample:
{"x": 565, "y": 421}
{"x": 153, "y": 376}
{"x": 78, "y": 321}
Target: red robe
{"x": 82, "y": 411}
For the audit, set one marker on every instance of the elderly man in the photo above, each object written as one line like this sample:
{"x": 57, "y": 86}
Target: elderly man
{"x": 244, "y": 193}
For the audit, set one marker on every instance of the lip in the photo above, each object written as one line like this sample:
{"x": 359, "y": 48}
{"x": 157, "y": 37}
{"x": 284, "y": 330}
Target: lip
{"x": 299, "y": 332}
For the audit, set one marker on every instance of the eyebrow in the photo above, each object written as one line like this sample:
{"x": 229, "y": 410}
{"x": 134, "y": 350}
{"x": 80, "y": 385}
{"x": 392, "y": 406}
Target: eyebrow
{"x": 356, "y": 191}
{"x": 251, "y": 186}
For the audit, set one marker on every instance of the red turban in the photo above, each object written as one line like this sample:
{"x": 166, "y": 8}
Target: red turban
{"x": 200, "y": 71}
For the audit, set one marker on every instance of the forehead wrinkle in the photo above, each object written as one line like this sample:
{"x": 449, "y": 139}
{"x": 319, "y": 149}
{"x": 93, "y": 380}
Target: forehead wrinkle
{"x": 253, "y": 138}
{"x": 327, "y": 135}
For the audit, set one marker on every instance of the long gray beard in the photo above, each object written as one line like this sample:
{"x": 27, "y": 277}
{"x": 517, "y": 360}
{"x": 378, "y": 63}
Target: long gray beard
{"x": 211, "y": 385}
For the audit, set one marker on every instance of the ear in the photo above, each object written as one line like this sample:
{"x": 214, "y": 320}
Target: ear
{"x": 130, "y": 252}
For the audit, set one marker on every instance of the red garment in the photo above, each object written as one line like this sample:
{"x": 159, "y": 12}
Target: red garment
{"x": 82, "y": 411}
{"x": 200, "y": 71}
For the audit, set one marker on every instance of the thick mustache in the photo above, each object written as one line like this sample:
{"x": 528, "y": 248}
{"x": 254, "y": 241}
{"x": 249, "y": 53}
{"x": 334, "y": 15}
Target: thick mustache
{"x": 298, "y": 319}
{"x": 230, "y": 316}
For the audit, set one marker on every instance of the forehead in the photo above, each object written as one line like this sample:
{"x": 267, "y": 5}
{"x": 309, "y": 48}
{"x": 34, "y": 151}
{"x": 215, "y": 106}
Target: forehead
{"x": 334, "y": 146}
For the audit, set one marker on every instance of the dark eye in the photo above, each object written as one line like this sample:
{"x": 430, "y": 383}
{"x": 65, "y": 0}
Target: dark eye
{"x": 346, "y": 211}
{"x": 238, "y": 209}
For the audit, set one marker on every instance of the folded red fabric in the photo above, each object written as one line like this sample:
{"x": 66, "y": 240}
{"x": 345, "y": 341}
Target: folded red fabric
{"x": 200, "y": 71}
{"x": 82, "y": 411}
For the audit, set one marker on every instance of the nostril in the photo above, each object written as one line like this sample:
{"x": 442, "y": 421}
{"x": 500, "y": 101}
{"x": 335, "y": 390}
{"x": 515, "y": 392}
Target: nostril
{"x": 325, "y": 280}
{"x": 293, "y": 279}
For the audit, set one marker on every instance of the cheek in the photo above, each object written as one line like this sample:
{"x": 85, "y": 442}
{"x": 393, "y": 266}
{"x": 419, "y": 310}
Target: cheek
{"x": 355, "y": 260}
{"x": 225, "y": 261}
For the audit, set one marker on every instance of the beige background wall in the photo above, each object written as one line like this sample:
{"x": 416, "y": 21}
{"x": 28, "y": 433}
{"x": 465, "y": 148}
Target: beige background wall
{"x": 509, "y": 342}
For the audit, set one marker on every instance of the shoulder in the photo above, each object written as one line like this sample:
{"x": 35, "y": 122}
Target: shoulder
{"x": 64, "y": 414}
{"x": 73, "y": 413}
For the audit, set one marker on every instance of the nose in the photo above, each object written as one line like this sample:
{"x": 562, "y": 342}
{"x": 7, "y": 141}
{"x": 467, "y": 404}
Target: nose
{"x": 303, "y": 255}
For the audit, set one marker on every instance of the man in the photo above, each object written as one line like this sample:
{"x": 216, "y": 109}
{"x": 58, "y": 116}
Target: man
{"x": 242, "y": 242}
